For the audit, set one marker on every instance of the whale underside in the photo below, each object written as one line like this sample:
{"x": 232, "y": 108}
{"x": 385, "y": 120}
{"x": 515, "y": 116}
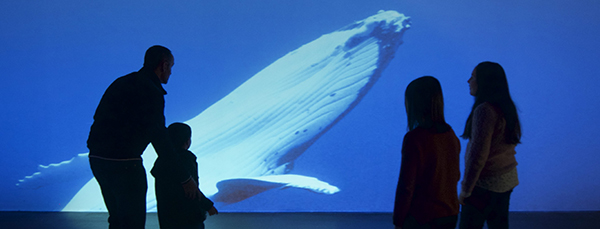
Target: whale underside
{"x": 246, "y": 143}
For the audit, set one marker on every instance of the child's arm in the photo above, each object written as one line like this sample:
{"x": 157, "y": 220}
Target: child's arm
{"x": 205, "y": 203}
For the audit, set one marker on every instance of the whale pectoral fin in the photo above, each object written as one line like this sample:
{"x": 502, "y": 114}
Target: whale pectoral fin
{"x": 235, "y": 190}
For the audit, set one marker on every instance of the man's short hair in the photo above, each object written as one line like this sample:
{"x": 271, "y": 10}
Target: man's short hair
{"x": 179, "y": 133}
{"x": 155, "y": 55}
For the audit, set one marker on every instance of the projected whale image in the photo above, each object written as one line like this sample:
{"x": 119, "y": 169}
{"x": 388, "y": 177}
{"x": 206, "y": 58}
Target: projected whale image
{"x": 247, "y": 142}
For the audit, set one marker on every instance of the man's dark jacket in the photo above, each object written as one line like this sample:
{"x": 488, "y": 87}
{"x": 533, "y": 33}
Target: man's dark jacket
{"x": 130, "y": 115}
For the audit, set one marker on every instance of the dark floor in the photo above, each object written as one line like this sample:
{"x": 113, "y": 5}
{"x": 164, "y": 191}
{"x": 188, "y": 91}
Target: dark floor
{"x": 62, "y": 220}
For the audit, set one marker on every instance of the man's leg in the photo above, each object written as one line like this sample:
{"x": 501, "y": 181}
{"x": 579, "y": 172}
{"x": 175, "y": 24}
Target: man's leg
{"x": 133, "y": 198}
{"x": 102, "y": 170}
{"x": 124, "y": 186}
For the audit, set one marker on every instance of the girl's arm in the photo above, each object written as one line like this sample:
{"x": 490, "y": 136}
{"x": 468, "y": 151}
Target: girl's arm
{"x": 407, "y": 179}
{"x": 484, "y": 120}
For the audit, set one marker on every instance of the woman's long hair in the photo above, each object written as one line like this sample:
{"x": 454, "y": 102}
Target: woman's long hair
{"x": 424, "y": 104}
{"x": 492, "y": 87}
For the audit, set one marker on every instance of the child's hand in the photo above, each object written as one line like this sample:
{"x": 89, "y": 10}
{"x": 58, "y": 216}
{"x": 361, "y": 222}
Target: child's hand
{"x": 213, "y": 211}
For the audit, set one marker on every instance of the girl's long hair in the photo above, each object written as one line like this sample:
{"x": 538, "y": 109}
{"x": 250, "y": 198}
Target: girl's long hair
{"x": 492, "y": 87}
{"x": 424, "y": 104}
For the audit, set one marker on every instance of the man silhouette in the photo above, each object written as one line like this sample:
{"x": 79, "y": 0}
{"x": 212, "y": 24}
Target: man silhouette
{"x": 130, "y": 115}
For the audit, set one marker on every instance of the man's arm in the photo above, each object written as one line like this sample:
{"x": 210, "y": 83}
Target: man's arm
{"x": 154, "y": 121}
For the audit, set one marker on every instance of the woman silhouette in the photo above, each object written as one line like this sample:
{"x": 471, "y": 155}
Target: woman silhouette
{"x": 426, "y": 192}
{"x": 493, "y": 131}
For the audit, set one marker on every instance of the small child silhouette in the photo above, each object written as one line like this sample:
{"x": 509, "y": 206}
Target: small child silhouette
{"x": 175, "y": 210}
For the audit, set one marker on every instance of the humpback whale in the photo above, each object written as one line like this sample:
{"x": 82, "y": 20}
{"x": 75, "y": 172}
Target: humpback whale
{"x": 246, "y": 143}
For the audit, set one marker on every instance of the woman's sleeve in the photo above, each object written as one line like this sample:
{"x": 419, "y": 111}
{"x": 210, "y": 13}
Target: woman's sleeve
{"x": 407, "y": 179}
{"x": 484, "y": 120}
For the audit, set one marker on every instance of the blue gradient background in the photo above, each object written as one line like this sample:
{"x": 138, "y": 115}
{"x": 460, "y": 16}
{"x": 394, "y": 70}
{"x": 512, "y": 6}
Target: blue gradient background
{"x": 58, "y": 57}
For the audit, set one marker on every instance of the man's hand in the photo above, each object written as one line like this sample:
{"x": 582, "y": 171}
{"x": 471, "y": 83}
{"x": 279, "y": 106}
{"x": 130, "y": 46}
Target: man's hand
{"x": 213, "y": 211}
{"x": 191, "y": 189}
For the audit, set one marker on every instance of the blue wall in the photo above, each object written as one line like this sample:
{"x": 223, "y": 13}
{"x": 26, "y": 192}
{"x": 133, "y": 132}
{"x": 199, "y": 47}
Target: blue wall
{"x": 58, "y": 57}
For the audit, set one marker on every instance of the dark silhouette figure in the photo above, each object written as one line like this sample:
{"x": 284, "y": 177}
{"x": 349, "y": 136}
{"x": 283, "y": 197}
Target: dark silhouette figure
{"x": 130, "y": 115}
{"x": 493, "y": 130}
{"x": 175, "y": 210}
{"x": 429, "y": 174}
